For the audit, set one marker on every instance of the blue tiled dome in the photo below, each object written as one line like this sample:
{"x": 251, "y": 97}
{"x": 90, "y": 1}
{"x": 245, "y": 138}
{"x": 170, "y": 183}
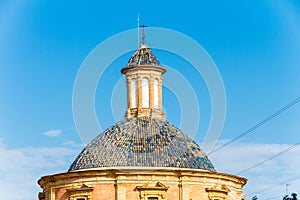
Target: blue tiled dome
{"x": 142, "y": 142}
{"x": 143, "y": 56}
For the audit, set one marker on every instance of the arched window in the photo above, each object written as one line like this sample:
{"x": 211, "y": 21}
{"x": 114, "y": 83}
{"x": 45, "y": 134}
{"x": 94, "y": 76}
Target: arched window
{"x": 145, "y": 93}
{"x": 134, "y": 92}
{"x": 155, "y": 93}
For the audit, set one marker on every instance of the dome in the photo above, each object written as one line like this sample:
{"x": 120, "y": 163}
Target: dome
{"x": 142, "y": 142}
{"x": 143, "y": 56}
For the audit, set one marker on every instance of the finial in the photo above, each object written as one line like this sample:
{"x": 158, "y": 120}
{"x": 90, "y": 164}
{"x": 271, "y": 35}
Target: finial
{"x": 143, "y": 33}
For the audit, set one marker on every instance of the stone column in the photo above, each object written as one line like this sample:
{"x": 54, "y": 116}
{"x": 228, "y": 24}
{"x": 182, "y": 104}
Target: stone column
{"x": 180, "y": 190}
{"x": 160, "y": 93}
{"x": 120, "y": 191}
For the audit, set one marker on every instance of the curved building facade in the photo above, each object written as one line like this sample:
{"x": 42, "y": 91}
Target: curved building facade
{"x": 142, "y": 157}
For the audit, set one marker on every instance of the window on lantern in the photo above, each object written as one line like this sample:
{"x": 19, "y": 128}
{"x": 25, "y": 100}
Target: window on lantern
{"x": 145, "y": 93}
{"x": 134, "y": 93}
{"x": 155, "y": 93}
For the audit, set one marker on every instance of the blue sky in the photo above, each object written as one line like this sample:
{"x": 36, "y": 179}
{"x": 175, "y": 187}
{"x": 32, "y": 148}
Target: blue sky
{"x": 255, "y": 45}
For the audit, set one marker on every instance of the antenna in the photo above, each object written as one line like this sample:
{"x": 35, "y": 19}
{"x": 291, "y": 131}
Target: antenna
{"x": 138, "y": 29}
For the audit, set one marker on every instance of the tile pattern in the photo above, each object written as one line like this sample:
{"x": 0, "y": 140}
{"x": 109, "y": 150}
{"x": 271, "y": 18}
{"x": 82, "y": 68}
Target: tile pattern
{"x": 143, "y": 56}
{"x": 145, "y": 141}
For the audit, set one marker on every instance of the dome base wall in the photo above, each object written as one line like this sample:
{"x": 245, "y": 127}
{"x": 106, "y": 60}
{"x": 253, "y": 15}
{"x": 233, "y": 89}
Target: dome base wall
{"x": 142, "y": 183}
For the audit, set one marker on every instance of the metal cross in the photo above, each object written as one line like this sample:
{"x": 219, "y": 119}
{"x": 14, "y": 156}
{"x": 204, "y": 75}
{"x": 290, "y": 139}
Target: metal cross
{"x": 143, "y": 33}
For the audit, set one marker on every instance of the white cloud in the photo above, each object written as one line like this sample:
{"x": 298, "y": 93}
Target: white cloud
{"x": 71, "y": 143}
{"x": 53, "y": 133}
{"x": 21, "y": 168}
{"x": 268, "y": 179}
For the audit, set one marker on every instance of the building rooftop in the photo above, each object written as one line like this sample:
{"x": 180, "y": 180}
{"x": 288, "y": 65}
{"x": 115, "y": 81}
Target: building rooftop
{"x": 143, "y": 56}
{"x": 142, "y": 142}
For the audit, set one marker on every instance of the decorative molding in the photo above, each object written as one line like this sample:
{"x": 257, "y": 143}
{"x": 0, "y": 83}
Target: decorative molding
{"x": 83, "y": 192}
{"x": 149, "y": 189}
{"x": 218, "y": 192}
{"x": 41, "y": 196}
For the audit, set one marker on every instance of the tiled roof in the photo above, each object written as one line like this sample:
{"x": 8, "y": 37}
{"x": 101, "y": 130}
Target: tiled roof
{"x": 144, "y": 142}
{"x": 143, "y": 56}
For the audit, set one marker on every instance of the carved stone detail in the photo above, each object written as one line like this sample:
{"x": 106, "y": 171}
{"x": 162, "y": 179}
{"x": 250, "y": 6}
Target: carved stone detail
{"x": 218, "y": 192}
{"x": 157, "y": 190}
{"x": 83, "y": 192}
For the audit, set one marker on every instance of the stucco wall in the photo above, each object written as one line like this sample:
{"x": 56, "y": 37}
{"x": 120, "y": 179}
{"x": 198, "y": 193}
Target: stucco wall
{"x": 129, "y": 184}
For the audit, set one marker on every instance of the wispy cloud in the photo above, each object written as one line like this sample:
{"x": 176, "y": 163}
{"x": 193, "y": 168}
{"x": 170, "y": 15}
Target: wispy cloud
{"x": 53, "y": 133}
{"x": 71, "y": 143}
{"x": 21, "y": 168}
{"x": 265, "y": 180}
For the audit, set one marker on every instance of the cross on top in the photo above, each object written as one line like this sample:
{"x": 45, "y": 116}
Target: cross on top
{"x": 143, "y": 33}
